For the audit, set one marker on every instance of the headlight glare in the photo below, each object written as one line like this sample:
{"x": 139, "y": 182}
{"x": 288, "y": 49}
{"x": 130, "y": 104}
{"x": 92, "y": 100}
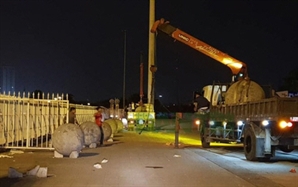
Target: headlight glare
{"x": 239, "y": 123}
{"x": 197, "y": 122}
{"x": 265, "y": 123}
{"x": 211, "y": 123}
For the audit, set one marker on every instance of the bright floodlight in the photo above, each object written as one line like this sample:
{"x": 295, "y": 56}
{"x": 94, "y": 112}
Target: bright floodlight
{"x": 265, "y": 122}
{"x": 239, "y": 123}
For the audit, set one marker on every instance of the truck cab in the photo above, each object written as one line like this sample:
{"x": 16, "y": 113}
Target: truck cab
{"x": 215, "y": 93}
{"x": 143, "y": 117}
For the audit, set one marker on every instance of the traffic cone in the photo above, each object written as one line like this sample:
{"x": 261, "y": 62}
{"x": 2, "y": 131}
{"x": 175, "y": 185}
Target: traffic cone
{"x": 293, "y": 170}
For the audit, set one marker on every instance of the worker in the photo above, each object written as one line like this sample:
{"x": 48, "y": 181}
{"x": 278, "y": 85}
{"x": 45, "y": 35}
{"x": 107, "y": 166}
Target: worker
{"x": 200, "y": 103}
{"x": 99, "y": 118}
{"x": 129, "y": 108}
{"x": 72, "y": 118}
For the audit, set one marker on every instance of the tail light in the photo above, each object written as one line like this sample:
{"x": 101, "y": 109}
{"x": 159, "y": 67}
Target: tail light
{"x": 284, "y": 124}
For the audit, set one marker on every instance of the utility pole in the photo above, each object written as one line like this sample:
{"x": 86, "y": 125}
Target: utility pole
{"x": 141, "y": 79}
{"x": 151, "y": 53}
{"x": 124, "y": 68}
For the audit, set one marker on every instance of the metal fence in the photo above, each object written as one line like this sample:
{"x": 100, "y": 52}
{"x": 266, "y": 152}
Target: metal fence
{"x": 27, "y": 121}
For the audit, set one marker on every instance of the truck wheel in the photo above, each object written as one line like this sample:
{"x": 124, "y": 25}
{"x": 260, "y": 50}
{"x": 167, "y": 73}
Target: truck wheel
{"x": 249, "y": 145}
{"x": 285, "y": 149}
{"x": 204, "y": 143}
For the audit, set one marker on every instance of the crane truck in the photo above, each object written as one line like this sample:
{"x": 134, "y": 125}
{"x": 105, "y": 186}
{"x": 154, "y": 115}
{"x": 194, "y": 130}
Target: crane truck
{"x": 240, "y": 111}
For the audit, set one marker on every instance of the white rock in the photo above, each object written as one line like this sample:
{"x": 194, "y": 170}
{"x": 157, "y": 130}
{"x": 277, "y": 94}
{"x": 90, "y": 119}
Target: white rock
{"x": 93, "y": 145}
{"x": 5, "y": 156}
{"x": 13, "y": 173}
{"x": 97, "y": 166}
{"x": 74, "y": 154}
{"x": 104, "y": 161}
{"x": 57, "y": 155}
{"x": 42, "y": 172}
{"x": 33, "y": 171}
{"x": 14, "y": 151}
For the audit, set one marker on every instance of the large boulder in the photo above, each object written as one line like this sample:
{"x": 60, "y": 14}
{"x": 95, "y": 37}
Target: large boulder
{"x": 91, "y": 133}
{"x": 68, "y": 140}
{"x": 244, "y": 91}
{"x": 120, "y": 125}
{"x": 113, "y": 125}
{"x": 107, "y": 131}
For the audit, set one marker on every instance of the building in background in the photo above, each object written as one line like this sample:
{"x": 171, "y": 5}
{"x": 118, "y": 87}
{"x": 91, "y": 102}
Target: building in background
{"x": 7, "y": 79}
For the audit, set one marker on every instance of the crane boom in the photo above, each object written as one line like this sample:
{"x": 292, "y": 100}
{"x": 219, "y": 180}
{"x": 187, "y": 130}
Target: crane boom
{"x": 237, "y": 67}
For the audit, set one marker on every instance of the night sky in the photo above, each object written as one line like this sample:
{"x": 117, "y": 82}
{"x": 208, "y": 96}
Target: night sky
{"x": 77, "y": 47}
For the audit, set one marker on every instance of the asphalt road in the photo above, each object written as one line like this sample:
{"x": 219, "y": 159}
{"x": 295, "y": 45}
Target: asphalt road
{"x": 275, "y": 172}
{"x": 150, "y": 159}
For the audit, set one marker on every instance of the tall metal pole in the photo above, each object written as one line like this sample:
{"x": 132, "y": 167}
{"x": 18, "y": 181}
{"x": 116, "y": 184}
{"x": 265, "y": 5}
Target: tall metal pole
{"x": 124, "y": 68}
{"x": 151, "y": 51}
{"x": 141, "y": 79}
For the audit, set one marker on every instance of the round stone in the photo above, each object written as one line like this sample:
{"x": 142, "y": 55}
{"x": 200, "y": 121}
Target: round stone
{"x": 68, "y": 138}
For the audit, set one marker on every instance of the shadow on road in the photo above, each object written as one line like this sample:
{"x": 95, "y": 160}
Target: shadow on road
{"x": 88, "y": 154}
{"x": 7, "y": 182}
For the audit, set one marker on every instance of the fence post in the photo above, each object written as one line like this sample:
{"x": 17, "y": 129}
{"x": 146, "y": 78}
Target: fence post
{"x": 177, "y": 128}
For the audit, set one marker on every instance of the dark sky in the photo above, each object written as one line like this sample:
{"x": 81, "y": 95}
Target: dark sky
{"x": 77, "y": 46}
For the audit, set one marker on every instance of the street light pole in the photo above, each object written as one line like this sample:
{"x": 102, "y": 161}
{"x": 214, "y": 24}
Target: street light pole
{"x": 124, "y": 68}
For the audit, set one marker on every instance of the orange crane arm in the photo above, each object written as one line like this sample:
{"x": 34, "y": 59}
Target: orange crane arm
{"x": 238, "y": 68}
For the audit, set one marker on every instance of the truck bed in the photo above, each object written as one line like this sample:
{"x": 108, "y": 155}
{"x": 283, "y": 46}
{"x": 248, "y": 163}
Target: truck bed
{"x": 275, "y": 108}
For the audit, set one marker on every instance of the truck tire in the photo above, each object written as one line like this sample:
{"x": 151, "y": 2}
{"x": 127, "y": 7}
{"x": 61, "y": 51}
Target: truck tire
{"x": 285, "y": 149}
{"x": 205, "y": 144}
{"x": 249, "y": 144}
